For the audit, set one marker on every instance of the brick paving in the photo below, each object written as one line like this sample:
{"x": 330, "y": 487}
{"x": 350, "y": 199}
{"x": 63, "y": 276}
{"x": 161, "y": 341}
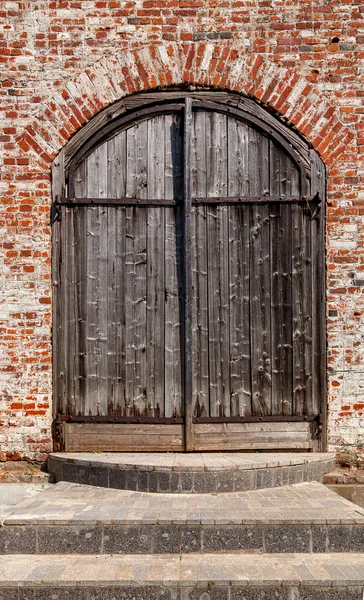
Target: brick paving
{"x": 67, "y": 503}
{"x": 192, "y": 473}
{"x": 324, "y": 570}
{"x": 197, "y": 461}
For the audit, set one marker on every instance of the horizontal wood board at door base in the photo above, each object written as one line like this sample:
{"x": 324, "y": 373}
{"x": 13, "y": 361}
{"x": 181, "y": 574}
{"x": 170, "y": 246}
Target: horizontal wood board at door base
{"x": 244, "y": 436}
{"x": 115, "y": 437}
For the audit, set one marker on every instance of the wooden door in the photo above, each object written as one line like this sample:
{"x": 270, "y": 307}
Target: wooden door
{"x": 189, "y": 287}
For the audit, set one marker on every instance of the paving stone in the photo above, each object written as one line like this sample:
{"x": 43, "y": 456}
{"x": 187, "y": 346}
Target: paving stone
{"x": 69, "y": 540}
{"x": 140, "y": 593}
{"x": 350, "y": 539}
{"x": 260, "y": 594}
{"x": 319, "y": 538}
{"x": 18, "y": 540}
{"x": 53, "y": 594}
{"x": 287, "y": 538}
{"x": 327, "y": 594}
{"x": 172, "y": 539}
{"x": 127, "y": 540}
{"x": 205, "y": 594}
{"x": 205, "y": 483}
{"x": 292, "y": 467}
{"x": 219, "y": 539}
{"x": 9, "y": 594}
{"x": 98, "y": 476}
{"x": 117, "y": 479}
{"x": 143, "y": 481}
{"x": 245, "y": 480}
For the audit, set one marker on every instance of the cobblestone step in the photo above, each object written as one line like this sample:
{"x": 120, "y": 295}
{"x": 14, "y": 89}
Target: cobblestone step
{"x": 189, "y": 473}
{"x": 185, "y": 577}
{"x": 73, "y": 518}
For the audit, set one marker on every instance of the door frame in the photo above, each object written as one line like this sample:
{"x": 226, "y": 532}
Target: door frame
{"x": 141, "y": 106}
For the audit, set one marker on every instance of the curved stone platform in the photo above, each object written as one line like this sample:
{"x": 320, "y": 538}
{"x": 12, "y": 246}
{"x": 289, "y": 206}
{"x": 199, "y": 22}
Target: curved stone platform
{"x": 189, "y": 473}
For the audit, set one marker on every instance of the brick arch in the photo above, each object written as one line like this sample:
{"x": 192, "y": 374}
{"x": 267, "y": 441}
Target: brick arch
{"x": 221, "y": 66}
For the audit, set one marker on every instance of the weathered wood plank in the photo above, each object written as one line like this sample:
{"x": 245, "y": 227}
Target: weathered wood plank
{"x": 238, "y": 158}
{"x": 239, "y": 311}
{"x": 84, "y": 437}
{"x": 200, "y": 360}
{"x": 187, "y": 279}
{"x": 97, "y": 301}
{"x": 116, "y": 166}
{"x": 281, "y": 258}
{"x": 218, "y": 266}
{"x": 260, "y": 307}
{"x": 301, "y": 312}
{"x": 155, "y": 271}
{"x": 236, "y": 436}
{"x": 173, "y": 267}
{"x": 319, "y": 335}
{"x": 258, "y": 164}
{"x": 290, "y": 427}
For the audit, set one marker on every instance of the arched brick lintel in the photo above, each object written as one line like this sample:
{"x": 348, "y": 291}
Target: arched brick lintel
{"x": 220, "y": 66}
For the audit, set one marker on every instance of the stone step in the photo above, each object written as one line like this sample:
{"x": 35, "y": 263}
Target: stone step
{"x": 189, "y": 473}
{"x": 185, "y": 577}
{"x": 73, "y": 518}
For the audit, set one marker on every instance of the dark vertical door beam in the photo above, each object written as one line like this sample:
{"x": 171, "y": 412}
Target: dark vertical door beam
{"x": 189, "y": 426}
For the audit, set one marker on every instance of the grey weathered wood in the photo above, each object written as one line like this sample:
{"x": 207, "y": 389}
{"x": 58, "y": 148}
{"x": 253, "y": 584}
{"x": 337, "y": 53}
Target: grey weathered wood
{"x": 319, "y": 335}
{"x": 173, "y": 265}
{"x": 58, "y": 189}
{"x": 301, "y": 297}
{"x": 83, "y": 437}
{"x": 155, "y": 330}
{"x": 260, "y": 307}
{"x": 238, "y": 158}
{"x": 218, "y": 266}
{"x": 123, "y": 293}
{"x": 252, "y": 436}
{"x": 281, "y": 267}
{"x": 187, "y": 279}
{"x": 135, "y": 101}
{"x": 239, "y": 311}
{"x": 200, "y": 355}
{"x": 116, "y": 166}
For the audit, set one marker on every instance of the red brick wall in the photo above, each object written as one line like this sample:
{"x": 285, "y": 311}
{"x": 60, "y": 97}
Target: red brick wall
{"x": 64, "y": 60}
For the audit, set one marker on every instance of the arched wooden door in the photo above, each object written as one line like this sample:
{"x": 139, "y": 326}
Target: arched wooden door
{"x": 189, "y": 270}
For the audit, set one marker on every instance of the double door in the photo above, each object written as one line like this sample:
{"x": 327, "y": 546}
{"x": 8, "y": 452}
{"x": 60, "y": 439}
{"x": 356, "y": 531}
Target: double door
{"x": 186, "y": 296}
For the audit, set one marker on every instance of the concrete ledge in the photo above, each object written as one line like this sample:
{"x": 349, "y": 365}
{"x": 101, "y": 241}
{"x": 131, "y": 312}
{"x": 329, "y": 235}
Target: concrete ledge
{"x": 189, "y": 473}
{"x": 223, "y": 577}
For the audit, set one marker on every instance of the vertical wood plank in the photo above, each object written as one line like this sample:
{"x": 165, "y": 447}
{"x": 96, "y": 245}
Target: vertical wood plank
{"x": 260, "y": 311}
{"x": 116, "y": 311}
{"x": 135, "y": 272}
{"x": 238, "y": 158}
{"x": 239, "y": 270}
{"x": 258, "y": 166}
{"x": 239, "y": 309}
{"x": 319, "y": 335}
{"x": 58, "y": 188}
{"x": 116, "y": 166}
{"x": 281, "y": 256}
{"x": 218, "y": 266}
{"x": 173, "y": 265}
{"x": 301, "y": 307}
{"x": 189, "y": 425}
{"x": 96, "y": 400}
{"x": 155, "y": 271}
{"x": 200, "y": 344}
